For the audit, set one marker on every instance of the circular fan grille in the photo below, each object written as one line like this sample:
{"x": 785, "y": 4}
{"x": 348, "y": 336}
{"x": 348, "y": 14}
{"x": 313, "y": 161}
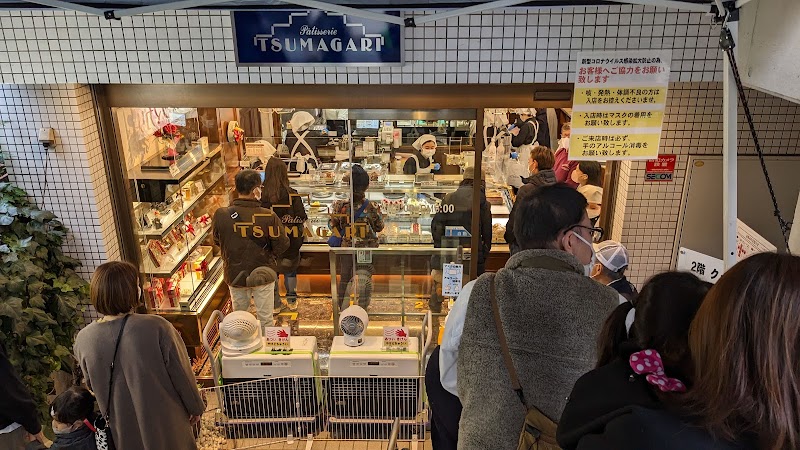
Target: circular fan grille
{"x": 239, "y": 329}
{"x": 352, "y": 326}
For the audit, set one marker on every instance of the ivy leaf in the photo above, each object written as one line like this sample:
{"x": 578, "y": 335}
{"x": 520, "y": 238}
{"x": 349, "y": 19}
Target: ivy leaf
{"x": 6, "y": 220}
{"x": 42, "y": 216}
{"x": 5, "y": 249}
{"x": 37, "y": 301}
{"x": 10, "y": 258}
{"x": 11, "y": 307}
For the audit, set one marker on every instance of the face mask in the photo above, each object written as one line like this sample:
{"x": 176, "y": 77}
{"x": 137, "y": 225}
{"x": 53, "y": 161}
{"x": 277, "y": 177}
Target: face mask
{"x": 587, "y": 268}
{"x": 428, "y": 153}
{"x": 258, "y": 193}
{"x": 564, "y": 143}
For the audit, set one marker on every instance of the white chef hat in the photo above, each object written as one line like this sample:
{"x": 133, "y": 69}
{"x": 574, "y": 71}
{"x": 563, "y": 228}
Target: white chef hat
{"x": 527, "y": 111}
{"x": 301, "y": 120}
{"x": 422, "y": 140}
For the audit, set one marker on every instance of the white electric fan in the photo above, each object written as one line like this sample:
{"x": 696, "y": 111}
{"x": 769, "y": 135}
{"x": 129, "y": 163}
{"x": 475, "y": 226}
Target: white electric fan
{"x": 353, "y": 322}
{"x": 240, "y": 334}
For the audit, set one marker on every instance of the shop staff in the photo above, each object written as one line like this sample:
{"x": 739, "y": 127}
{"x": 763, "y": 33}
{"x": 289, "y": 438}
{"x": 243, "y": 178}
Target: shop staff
{"x": 523, "y": 139}
{"x": 299, "y": 147}
{"x": 421, "y": 161}
{"x": 251, "y": 237}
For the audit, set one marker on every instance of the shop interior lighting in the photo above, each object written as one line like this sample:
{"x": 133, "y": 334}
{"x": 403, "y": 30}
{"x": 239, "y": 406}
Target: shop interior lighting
{"x": 356, "y": 12}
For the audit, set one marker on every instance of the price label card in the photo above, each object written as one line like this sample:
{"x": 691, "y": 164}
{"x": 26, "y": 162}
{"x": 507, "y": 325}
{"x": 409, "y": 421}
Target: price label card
{"x": 395, "y": 338}
{"x": 174, "y": 170}
{"x": 432, "y": 183}
{"x": 277, "y": 338}
{"x": 364, "y": 256}
{"x": 452, "y": 279}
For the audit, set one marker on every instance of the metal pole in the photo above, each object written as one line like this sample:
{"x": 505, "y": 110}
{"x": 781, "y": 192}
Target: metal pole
{"x": 730, "y": 110}
{"x": 475, "y": 242}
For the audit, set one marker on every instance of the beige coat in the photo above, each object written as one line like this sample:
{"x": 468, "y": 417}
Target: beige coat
{"x": 155, "y": 391}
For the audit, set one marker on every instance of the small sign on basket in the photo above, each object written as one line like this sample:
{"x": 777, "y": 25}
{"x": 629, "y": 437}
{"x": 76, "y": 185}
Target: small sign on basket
{"x": 395, "y": 338}
{"x": 277, "y": 338}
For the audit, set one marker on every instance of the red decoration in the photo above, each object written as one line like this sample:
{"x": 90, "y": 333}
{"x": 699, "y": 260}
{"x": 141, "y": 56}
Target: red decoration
{"x": 168, "y": 132}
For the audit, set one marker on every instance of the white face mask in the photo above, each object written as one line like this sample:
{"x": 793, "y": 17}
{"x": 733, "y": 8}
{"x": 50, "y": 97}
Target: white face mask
{"x": 587, "y": 268}
{"x": 428, "y": 153}
{"x": 258, "y": 193}
{"x": 564, "y": 143}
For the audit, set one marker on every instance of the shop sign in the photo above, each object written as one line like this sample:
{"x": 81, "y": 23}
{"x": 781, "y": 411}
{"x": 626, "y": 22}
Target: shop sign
{"x": 748, "y": 242}
{"x": 280, "y": 38}
{"x": 452, "y": 279}
{"x": 395, "y": 338}
{"x": 618, "y": 105}
{"x": 661, "y": 169}
{"x": 705, "y": 267}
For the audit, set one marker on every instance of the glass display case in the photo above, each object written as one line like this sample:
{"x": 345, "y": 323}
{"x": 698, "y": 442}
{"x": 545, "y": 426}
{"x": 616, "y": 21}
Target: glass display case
{"x": 177, "y": 177}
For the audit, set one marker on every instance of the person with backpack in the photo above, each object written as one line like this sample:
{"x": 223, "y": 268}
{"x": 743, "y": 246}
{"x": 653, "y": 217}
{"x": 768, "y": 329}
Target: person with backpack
{"x": 250, "y": 237}
{"x": 549, "y": 312}
{"x": 288, "y": 205}
{"x": 355, "y": 223}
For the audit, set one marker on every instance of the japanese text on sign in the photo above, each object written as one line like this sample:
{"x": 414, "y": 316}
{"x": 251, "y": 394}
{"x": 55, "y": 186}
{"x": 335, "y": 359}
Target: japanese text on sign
{"x": 705, "y": 267}
{"x": 452, "y": 276}
{"x": 619, "y": 104}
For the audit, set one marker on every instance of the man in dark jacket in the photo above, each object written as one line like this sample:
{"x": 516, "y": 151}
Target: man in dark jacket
{"x": 250, "y": 237}
{"x": 540, "y": 166}
{"x": 19, "y": 418}
{"x": 458, "y": 207}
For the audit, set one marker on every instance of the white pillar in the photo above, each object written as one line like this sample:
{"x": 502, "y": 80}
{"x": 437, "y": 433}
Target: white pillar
{"x": 730, "y": 108}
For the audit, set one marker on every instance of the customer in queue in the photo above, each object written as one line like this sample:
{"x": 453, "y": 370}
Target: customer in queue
{"x": 19, "y": 415}
{"x": 589, "y": 176}
{"x": 612, "y": 262}
{"x": 643, "y": 357}
{"x": 551, "y": 312}
{"x": 287, "y": 204}
{"x": 563, "y": 166}
{"x": 540, "y": 166}
{"x": 456, "y": 211}
{"x": 251, "y": 239}
{"x": 137, "y": 366}
{"x": 358, "y": 227}
{"x": 745, "y": 344}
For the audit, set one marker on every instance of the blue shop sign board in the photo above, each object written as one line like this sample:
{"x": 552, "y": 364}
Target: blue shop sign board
{"x": 280, "y": 38}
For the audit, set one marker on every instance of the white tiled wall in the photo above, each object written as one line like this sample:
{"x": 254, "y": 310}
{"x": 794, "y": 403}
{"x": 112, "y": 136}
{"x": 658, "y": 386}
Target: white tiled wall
{"x": 503, "y": 46}
{"x": 646, "y": 218}
{"x": 509, "y": 46}
{"x": 69, "y": 179}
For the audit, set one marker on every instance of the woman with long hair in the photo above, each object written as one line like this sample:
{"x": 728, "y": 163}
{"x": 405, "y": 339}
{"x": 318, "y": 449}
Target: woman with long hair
{"x": 656, "y": 322}
{"x": 137, "y": 366}
{"x": 745, "y": 342}
{"x": 287, "y": 204}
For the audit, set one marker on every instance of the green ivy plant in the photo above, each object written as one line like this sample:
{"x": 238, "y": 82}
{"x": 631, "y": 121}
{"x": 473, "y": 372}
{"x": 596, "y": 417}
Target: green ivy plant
{"x": 40, "y": 293}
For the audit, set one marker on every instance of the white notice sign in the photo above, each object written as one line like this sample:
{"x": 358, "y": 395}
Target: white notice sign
{"x": 705, "y": 267}
{"x": 748, "y": 242}
{"x": 452, "y": 278}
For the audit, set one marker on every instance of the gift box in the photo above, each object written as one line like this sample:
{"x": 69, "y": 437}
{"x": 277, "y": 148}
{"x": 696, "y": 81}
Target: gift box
{"x": 201, "y": 261}
{"x": 155, "y": 293}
